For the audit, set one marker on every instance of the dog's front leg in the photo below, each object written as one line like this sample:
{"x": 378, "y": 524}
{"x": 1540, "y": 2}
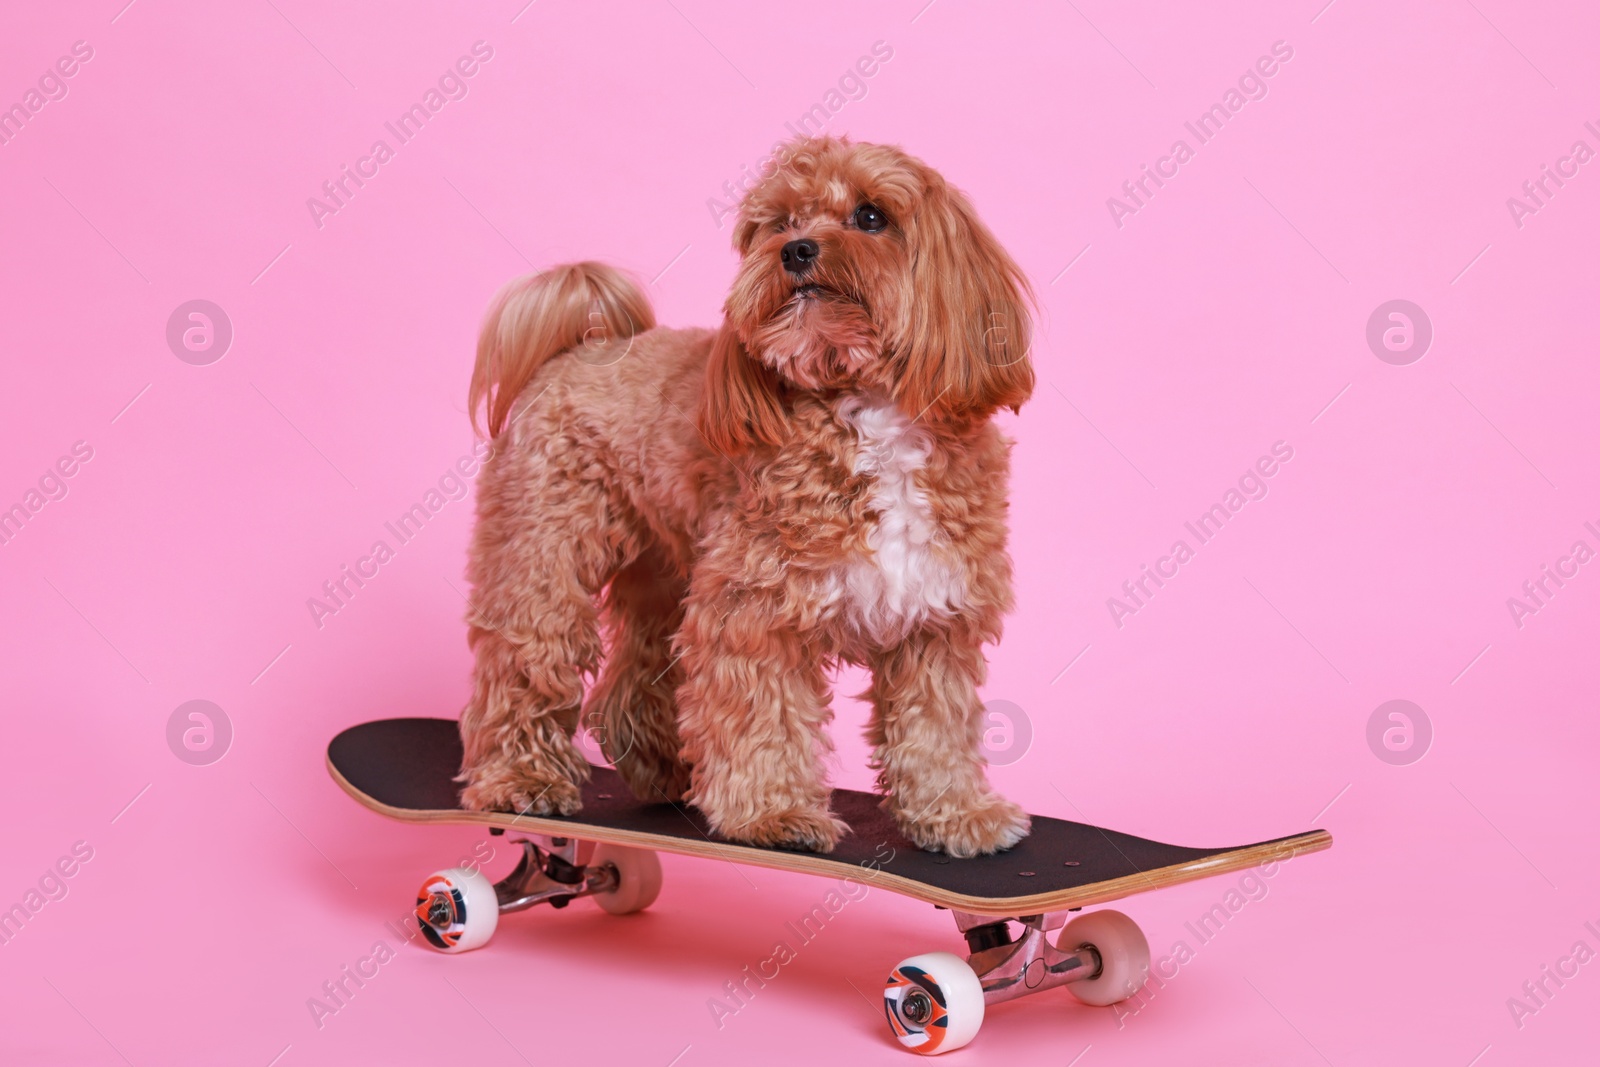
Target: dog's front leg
{"x": 752, "y": 710}
{"x": 926, "y": 732}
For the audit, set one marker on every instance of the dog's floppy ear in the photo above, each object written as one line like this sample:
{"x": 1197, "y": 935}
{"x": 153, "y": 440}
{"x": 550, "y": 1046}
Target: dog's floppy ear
{"x": 965, "y": 340}
{"x": 740, "y": 404}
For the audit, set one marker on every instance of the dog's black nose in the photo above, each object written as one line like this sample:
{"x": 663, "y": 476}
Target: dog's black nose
{"x": 799, "y": 255}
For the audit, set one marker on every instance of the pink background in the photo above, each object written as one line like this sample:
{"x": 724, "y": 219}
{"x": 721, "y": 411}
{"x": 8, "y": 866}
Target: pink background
{"x": 1224, "y": 316}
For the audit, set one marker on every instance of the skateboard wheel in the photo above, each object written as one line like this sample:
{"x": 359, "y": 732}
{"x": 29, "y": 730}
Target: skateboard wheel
{"x": 1124, "y": 956}
{"x": 457, "y": 909}
{"x": 638, "y": 878}
{"x": 934, "y": 1003}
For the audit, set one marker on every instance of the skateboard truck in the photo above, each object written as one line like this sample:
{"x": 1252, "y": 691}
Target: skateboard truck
{"x": 554, "y": 871}
{"x": 1008, "y": 969}
{"x": 458, "y": 908}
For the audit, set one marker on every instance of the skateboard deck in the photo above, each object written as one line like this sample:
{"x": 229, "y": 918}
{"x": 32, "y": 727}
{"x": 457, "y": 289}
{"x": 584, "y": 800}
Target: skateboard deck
{"x": 404, "y": 768}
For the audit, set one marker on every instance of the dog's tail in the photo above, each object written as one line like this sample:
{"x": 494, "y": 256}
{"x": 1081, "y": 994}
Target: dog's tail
{"x": 537, "y": 317}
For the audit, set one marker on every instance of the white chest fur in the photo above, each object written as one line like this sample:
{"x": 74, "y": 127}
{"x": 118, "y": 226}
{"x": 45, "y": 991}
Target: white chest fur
{"x": 908, "y": 576}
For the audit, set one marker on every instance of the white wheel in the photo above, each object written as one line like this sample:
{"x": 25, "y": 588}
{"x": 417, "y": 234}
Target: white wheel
{"x": 1124, "y": 956}
{"x": 638, "y": 878}
{"x": 934, "y": 1003}
{"x": 457, "y": 910}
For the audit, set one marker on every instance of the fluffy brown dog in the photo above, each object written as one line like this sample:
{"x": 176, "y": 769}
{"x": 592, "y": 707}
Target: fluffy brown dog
{"x": 817, "y": 481}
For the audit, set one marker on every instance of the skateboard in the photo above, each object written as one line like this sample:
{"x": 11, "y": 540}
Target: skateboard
{"x": 934, "y": 1002}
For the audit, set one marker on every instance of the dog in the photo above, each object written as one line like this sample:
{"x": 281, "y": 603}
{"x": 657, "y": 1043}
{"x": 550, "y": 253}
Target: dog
{"x": 817, "y": 481}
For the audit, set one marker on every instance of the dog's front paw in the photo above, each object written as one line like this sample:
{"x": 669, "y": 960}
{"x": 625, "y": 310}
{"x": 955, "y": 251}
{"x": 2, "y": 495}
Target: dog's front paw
{"x": 808, "y": 828}
{"x": 992, "y": 824}
{"x": 525, "y": 795}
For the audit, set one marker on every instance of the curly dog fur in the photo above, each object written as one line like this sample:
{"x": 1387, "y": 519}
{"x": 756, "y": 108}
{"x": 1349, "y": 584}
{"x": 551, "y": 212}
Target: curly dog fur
{"x": 817, "y": 481}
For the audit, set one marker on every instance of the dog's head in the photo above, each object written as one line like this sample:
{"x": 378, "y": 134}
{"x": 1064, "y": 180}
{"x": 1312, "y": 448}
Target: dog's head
{"x": 863, "y": 269}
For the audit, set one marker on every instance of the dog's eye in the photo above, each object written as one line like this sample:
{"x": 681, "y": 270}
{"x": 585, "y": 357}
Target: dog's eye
{"x": 870, "y": 219}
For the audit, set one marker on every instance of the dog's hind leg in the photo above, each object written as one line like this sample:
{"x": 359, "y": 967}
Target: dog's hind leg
{"x": 630, "y": 708}
{"x": 548, "y": 538}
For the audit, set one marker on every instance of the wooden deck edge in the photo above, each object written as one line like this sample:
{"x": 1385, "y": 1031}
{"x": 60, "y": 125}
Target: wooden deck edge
{"x": 802, "y": 863}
